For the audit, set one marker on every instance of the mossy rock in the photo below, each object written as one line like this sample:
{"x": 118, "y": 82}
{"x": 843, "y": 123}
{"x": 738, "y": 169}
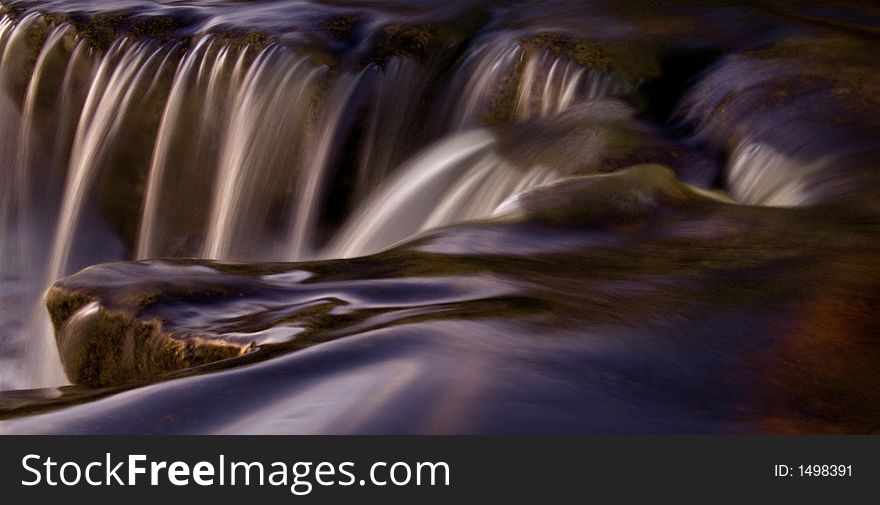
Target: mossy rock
{"x": 624, "y": 198}
{"x": 101, "y": 347}
{"x": 239, "y": 38}
{"x": 633, "y": 61}
{"x": 101, "y": 29}
{"x": 426, "y": 41}
{"x": 21, "y": 62}
{"x": 341, "y": 26}
{"x": 598, "y": 136}
{"x": 12, "y": 10}
{"x": 63, "y": 305}
{"x": 502, "y": 108}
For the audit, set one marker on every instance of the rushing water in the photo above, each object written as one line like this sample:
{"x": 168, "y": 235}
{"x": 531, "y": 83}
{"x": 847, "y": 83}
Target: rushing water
{"x": 309, "y": 131}
{"x": 245, "y": 145}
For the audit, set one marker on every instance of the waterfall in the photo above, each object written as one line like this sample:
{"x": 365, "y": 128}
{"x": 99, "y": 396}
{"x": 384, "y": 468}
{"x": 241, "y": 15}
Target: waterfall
{"x": 486, "y": 73}
{"x": 300, "y": 239}
{"x": 550, "y": 84}
{"x": 500, "y": 80}
{"x": 42, "y": 364}
{"x": 182, "y": 170}
{"x": 126, "y": 76}
{"x": 30, "y": 157}
{"x": 398, "y": 90}
{"x": 424, "y": 216}
{"x": 463, "y": 178}
{"x": 26, "y": 164}
{"x": 217, "y": 148}
{"x": 457, "y": 180}
{"x": 32, "y": 143}
{"x": 262, "y": 142}
{"x": 760, "y": 175}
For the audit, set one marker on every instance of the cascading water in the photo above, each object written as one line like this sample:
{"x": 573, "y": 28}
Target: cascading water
{"x": 228, "y": 150}
{"x": 464, "y": 178}
{"x": 199, "y": 103}
{"x": 300, "y": 237}
{"x": 257, "y": 156}
{"x": 500, "y": 80}
{"x": 127, "y": 75}
{"x": 759, "y": 175}
{"x": 400, "y": 85}
{"x": 34, "y": 158}
{"x": 458, "y": 180}
{"x": 441, "y": 217}
{"x": 550, "y": 84}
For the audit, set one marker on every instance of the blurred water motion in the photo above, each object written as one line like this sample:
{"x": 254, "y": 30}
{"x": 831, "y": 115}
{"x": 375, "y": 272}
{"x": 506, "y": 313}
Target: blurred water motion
{"x": 467, "y": 217}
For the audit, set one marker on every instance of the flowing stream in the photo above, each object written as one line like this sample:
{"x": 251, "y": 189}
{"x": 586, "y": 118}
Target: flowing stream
{"x": 235, "y": 149}
{"x": 519, "y": 168}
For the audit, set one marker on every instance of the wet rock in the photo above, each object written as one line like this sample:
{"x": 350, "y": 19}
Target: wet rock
{"x": 433, "y": 40}
{"x": 624, "y": 198}
{"x": 100, "y": 347}
{"x": 798, "y": 119}
{"x": 128, "y": 322}
{"x": 633, "y": 61}
{"x": 619, "y": 297}
{"x": 598, "y": 136}
{"x": 704, "y": 317}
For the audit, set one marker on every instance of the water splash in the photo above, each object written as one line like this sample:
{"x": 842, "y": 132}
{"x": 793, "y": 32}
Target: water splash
{"x": 758, "y": 174}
